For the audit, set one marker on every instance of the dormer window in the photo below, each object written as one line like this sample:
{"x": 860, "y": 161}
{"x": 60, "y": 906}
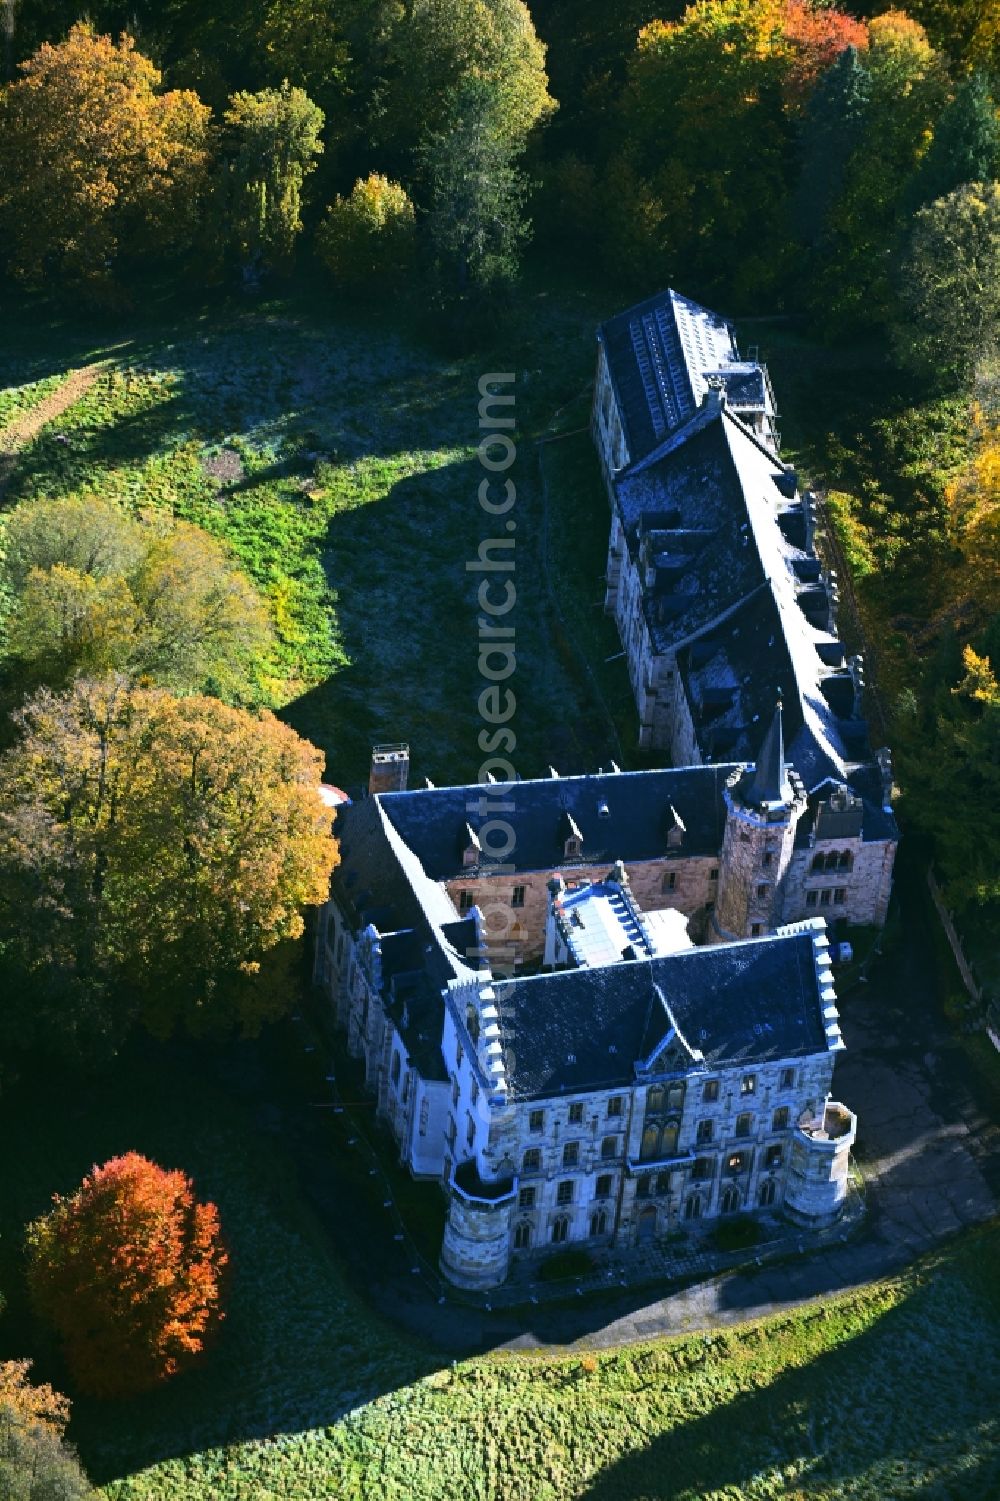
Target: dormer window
{"x": 675, "y": 829}
{"x": 572, "y": 837}
{"x": 472, "y": 850}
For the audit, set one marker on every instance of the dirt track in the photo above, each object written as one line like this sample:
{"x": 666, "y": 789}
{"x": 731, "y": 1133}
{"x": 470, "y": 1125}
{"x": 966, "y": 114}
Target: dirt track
{"x": 27, "y": 425}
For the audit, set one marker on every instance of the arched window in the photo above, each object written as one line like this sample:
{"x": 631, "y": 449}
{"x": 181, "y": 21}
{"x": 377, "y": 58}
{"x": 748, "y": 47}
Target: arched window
{"x": 522, "y": 1236}
{"x": 663, "y": 1183}
{"x": 650, "y": 1143}
{"x": 472, "y": 1022}
{"x": 675, "y": 1097}
{"x": 846, "y": 861}
{"x": 692, "y": 1208}
{"x": 599, "y": 1222}
{"x": 833, "y": 860}
{"x": 730, "y": 1201}
{"x": 668, "y": 1139}
{"x": 767, "y": 1191}
{"x": 654, "y": 1099}
{"x": 560, "y": 1229}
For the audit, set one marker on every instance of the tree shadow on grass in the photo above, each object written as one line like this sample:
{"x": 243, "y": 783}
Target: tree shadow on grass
{"x": 907, "y": 1407}
{"x": 298, "y": 1348}
{"x": 409, "y": 623}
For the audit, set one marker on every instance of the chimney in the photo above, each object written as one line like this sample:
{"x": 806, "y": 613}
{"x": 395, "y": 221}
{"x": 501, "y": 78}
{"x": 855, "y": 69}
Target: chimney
{"x": 390, "y": 768}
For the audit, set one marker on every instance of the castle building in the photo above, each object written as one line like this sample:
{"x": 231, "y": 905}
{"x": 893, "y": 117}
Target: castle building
{"x": 627, "y": 1024}
{"x": 644, "y": 1085}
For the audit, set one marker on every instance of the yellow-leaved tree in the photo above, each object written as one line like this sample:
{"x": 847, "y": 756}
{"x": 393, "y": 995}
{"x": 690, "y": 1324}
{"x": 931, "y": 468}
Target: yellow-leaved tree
{"x": 156, "y": 854}
{"x": 96, "y": 162}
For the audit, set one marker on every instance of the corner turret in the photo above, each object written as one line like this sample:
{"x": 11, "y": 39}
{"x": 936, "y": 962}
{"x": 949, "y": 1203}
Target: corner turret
{"x": 764, "y": 803}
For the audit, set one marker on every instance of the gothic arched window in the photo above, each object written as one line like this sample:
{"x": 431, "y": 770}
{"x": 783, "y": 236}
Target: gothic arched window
{"x": 730, "y": 1201}
{"x": 522, "y": 1236}
{"x": 767, "y": 1192}
{"x": 599, "y": 1222}
{"x": 692, "y": 1209}
{"x": 560, "y": 1229}
{"x": 650, "y": 1143}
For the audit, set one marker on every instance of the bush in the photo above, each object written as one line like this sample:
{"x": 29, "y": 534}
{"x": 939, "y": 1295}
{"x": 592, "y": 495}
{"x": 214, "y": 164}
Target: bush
{"x": 571, "y": 1263}
{"x": 368, "y": 237}
{"x": 128, "y": 1270}
{"x": 736, "y": 1234}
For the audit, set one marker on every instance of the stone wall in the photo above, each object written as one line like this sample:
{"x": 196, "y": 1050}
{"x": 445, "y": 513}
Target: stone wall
{"x": 684, "y": 882}
{"x": 605, "y": 425}
{"x": 866, "y": 886}
{"x": 819, "y": 1166}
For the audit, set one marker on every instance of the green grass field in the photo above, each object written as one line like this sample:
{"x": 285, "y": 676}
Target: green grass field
{"x": 886, "y": 1393}
{"x": 338, "y": 460}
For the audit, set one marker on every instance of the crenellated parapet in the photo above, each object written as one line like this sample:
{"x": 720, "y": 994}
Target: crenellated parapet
{"x": 475, "y": 1251}
{"x": 817, "y": 1182}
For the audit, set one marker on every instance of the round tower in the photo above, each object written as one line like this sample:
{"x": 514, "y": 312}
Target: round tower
{"x": 817, "y": 1182}
{"x": 475, "y": 1252}
{"x": 764, "y": 803}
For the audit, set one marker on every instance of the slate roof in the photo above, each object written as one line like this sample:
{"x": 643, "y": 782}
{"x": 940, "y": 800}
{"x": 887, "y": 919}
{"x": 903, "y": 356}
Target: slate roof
{"x": 702, "y": 510}
{"x": 739, "y": 1004}
{"x": 662, "y": 355}
{"x": 657, "y": 354}
{"x": 638, "y": 803}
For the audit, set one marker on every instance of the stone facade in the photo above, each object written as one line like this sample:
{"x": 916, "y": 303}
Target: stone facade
{"x": 720, "y": 599}
{"x": 674, "y": 1141}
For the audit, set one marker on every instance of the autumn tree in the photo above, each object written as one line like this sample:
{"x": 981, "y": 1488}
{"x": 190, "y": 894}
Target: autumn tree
{"x": 968, "y": 30}
{"x": 949, "y": 284}
{"x": 888, "y": 119}
{"x": 128, "y": 1271}
{"x": 367, "y": 240}
{"x": 96, "y": 163}
{"x": 708, "y": 117}
{"x": 35, "y": 1462}
{"x": 436, "y": 49}
{"x": 155, "y": 857}
{"x": 274, "y": 140}
{"x": 953, "y": 788}
{"x": 94, "y": 589}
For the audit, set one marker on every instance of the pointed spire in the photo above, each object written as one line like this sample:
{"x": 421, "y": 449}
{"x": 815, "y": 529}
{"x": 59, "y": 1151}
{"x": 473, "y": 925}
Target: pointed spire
{"x": 770, "y": 782}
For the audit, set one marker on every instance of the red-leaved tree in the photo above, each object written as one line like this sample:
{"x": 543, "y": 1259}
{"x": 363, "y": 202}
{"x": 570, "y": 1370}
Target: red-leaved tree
{"x": 127, "y": 1270}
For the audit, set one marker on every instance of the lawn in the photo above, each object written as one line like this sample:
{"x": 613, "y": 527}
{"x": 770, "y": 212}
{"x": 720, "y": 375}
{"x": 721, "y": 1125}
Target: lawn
{"x": 337, "y": 457}
{"x": 883, "y": 1393}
